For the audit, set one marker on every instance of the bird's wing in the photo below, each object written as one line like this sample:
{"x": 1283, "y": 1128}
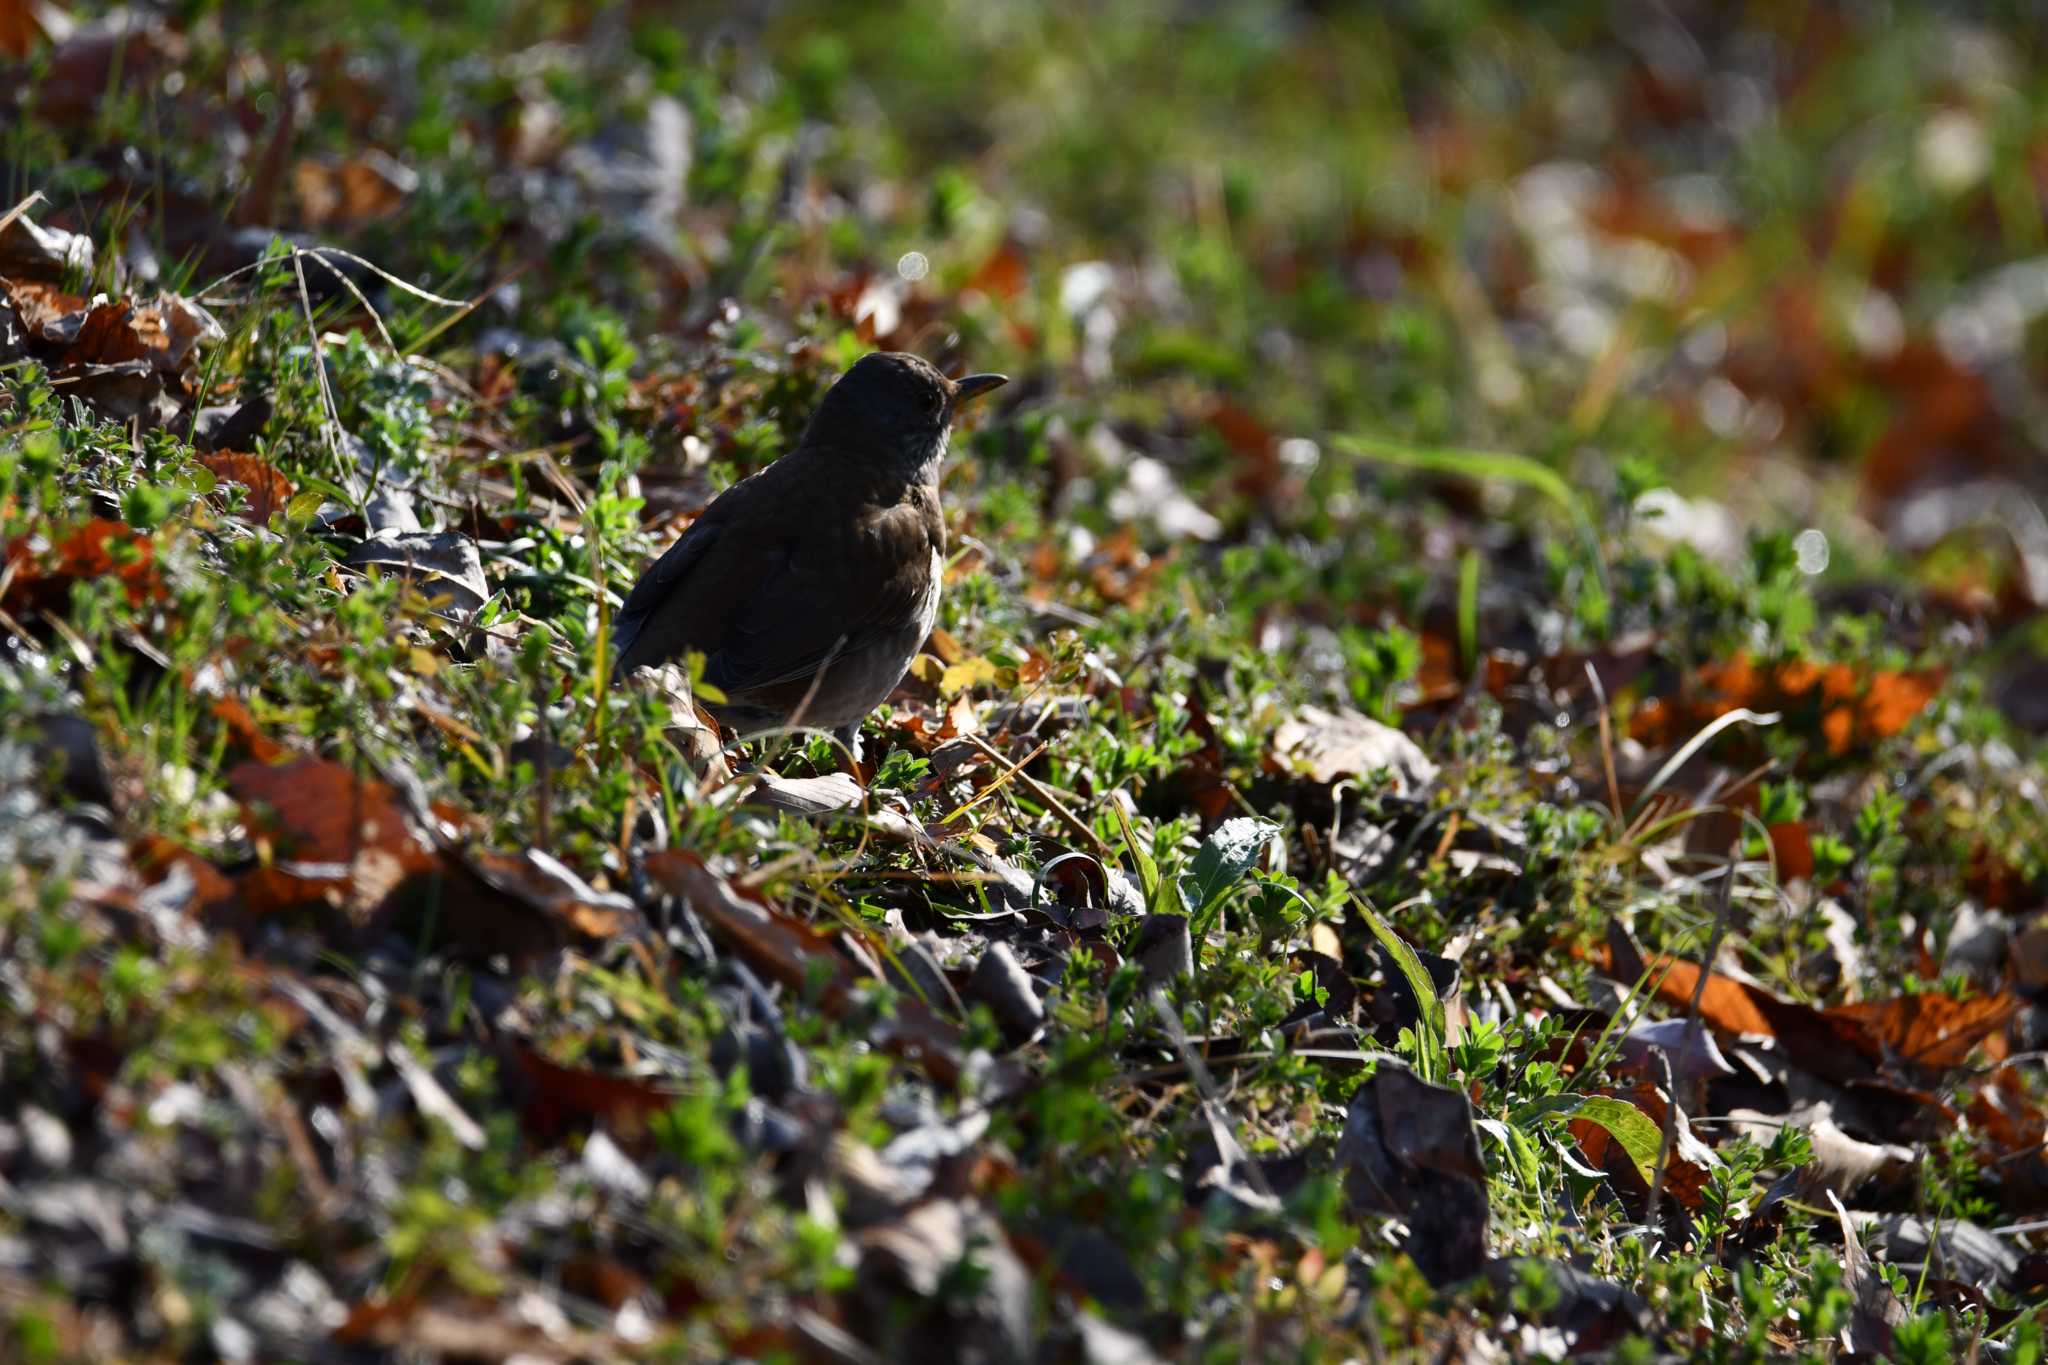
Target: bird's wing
{"x": 826, "y": 597}
{"x": 684, "y": 598}
{"x": 654, "y": 587}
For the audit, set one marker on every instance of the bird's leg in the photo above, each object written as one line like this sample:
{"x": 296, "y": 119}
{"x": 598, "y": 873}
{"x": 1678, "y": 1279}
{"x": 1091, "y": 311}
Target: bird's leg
{"x": 849, "y": 735}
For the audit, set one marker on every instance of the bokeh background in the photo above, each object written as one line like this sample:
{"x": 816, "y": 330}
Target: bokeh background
{"x": 1779, "y": 266}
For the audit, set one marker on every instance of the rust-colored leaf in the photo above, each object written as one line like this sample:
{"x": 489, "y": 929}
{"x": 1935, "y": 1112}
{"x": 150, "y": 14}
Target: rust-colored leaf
{"x": 269, "y": 490}
{"x": 332, "y": 834}
{"x": 18, "y": 28}
{"x": 1005, "y": 274}
{"x": 1792, "y": 849}
{"x": 335, "y": 192}
{"x": 47, "y": 313}
{"x": 560, "y": 1099}
{"x": 1850, "y": 710}
{"x": 244, "y": 733}
{"x": 156, "y": 858}
{"x": 98, "y": 549}
{"x": 534, "y": 883}
{"x": 1259, "y": 470}
{"x": 1839, "y": 1049}
{"x": 1845, "y": 1042}
{"x": 1932, "y": 1030}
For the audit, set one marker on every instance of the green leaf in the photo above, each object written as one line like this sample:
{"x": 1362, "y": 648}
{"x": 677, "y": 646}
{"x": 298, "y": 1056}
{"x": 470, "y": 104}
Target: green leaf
{"x": 1148, "y": 870}
{"x": 1468, "y": 612}
{"x": 1627, "y": 1125}
{"x": 1431, "y": 1063}
{"x": 1471, "y": 464}
{"x": 1221, "y": 862}
{"x": 304, "y": 506}
{"x": 1523, "y": 1157}
{"x": 1485, "y": 464}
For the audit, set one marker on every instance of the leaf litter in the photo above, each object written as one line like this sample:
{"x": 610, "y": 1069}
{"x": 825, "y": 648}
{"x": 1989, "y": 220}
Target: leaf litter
{"x": 1234, "y": 940}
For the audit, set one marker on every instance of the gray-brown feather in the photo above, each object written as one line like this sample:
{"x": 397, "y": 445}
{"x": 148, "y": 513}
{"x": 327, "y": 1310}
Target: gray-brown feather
{"x": 833, "y": 608}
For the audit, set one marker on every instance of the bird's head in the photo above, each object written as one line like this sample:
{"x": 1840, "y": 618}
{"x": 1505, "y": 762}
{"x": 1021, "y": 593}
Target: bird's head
{"x": 895, "y": 409}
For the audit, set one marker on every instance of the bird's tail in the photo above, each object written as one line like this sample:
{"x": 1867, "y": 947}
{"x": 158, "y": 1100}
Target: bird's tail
{"x": 625, "y": 630}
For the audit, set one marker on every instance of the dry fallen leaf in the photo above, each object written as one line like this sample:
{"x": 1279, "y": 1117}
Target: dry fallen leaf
{"x": 349, "y": 193}
{"x": 1842, "y": 1043}
{"x": 805, "y": 959}
{"x": 332, "y": 835}
{"x": 1410, "y": 1151}
{"x": 1327, "y": 746}
{"x": 18, "y": 28}
{"x": 269, "y": 490}
{"x": 97, "y": 549}
{"x": 1850, "y": 708}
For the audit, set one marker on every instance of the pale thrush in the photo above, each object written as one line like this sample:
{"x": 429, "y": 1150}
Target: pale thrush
{"x": 809, "y": 586}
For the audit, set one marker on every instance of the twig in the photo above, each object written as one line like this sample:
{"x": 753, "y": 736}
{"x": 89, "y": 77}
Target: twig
{"x": 7, "y": 219}
{"x": 1664, "y": 1142}
{"x": 1052, "y": 803}
{"x": 1606, "y": 740}
{"x": 993, "y": 788}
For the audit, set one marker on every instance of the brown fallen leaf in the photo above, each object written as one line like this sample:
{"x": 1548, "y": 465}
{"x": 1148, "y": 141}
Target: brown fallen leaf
{"x": 29, "y": 251}
{"x": 333, "y": 835}
{"x": 1327, "y": 746}
{"x": 244, "y": 734}
{"x": 1410, "y": 1151}
{"x": 1850, "y": 708}
{"x": 1845, "y": 1042}
{"x": 556, "y": 1099}
{"x": 157, "y": 858}
{"x": 269, "y": 490}
{"x": 133, "y": 43}
{"x": 19, "y": 30}
{"x": 805, "y": 959}
{"x": 468, "y": 1329}
{"x": 1932, "y": 1030}
{"x": 350, "y": 192}
{"x": 43, "y": 574}
{"x": 558, "y": 904}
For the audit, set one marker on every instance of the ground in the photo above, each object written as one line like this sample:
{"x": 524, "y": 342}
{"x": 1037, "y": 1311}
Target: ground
{"x": 1495, "y": 508}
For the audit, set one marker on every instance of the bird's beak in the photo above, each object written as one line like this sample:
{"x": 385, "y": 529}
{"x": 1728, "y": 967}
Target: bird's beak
{"x": 975, "y": 385}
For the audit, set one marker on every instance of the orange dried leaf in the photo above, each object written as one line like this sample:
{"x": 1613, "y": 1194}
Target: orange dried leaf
{"x": 243, "y": 731}
{"x": 1932, "y": 1030}
{"x": 1005, "y": 274}
{"x": 269, "y": 490}
{"x": 18, "y": 28}
{"x": 97, "y": 549}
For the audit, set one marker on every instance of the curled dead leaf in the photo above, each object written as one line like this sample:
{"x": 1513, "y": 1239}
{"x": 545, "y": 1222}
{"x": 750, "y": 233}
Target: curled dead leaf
{"x": 1327, "y": 746}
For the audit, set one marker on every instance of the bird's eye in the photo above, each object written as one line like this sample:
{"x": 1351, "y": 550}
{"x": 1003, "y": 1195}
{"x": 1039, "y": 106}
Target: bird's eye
{"x": 933, "y": 401}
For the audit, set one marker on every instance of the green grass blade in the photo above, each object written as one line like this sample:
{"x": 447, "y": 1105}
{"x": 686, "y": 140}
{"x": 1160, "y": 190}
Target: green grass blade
{"x": 1433, "y": 1064}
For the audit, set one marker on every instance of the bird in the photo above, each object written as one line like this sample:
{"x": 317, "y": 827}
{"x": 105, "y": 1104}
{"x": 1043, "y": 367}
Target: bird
{"x": 810, "y": 586}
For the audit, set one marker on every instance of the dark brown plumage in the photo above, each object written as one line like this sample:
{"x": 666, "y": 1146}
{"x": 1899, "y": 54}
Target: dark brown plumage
{"x": 810, "y": 586}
